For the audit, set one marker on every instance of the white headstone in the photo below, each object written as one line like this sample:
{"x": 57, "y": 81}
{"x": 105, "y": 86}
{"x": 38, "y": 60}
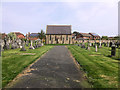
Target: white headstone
{"x": 96, "y": 48}
{"x": 31, "y": 47}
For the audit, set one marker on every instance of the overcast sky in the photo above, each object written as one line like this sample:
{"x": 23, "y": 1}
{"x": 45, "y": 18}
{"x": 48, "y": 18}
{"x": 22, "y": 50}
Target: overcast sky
{"x": 97, "y": 17}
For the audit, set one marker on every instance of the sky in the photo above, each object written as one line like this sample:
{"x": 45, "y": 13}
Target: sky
{"x": 85, "y": 17}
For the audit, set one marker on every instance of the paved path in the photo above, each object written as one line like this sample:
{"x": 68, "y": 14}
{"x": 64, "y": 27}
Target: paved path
{"x": 56, "y": 69}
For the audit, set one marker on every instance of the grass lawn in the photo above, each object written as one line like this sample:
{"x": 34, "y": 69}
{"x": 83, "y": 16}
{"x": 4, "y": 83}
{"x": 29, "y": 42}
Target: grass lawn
{"x": 14, "y": 61}
{"x": 101, "y": 70}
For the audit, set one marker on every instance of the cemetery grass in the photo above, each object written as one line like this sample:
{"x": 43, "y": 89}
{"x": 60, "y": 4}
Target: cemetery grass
{"x": 100, "y": 69}
{"x": 14, "y": 61}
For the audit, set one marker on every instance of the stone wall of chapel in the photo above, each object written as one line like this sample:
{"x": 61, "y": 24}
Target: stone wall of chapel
{"x": 59, "y": 39}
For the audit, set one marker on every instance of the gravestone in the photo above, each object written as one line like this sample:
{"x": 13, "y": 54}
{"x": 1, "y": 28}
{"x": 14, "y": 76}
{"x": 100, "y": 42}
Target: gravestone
{"x": 78, "y": 44}
{"x": 104, "y": 44}
{"x": 88, "y": 46}
{"x": 96, "y": 48}
{"x": 83, "y": 44}
{"x": 113, "y": 50}
{"x": 6, "y": 45}
{"x": 31, "y": 47}
{"x": 27, "y": 43}
{"x": 12, "y": 45}
{"x": 34, "y": 44}
{"x": 9, "y": 41}
{"x": 92, "y": 44}
{"x": 107, "y": 44}
{"x": 23, "y": 46}
{"x": 110, "y": 44}
{"x": 16, "y": 45}
{"x": 19, "y": 42}
{"x": 100, "y": 46}
{"x": 42, "y": 44}
{"x": 117, "y": 44}
{"x": 39, "y": 45}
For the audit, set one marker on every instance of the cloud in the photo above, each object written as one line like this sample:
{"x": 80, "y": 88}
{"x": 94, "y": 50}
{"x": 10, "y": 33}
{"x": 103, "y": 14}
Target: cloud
{"x": 98, "y": 17}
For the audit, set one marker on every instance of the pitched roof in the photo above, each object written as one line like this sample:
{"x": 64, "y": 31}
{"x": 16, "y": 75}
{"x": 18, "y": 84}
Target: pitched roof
{"x": 94, "y": 34}
{"x": 34, "y": 35}
{"x": 58, "y": 29}
{"x": 85, "y": 34}
{"x": 18, "y": 33}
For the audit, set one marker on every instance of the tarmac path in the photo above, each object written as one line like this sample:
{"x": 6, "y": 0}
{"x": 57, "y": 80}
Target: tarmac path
{"x": 56, "y": 69}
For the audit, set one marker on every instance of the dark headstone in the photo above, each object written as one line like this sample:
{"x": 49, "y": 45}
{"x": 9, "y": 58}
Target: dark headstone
{"x": 110, "y": 44}
{"x": 117, "y": 44}
{"x": 104, "y": 44}
{"x": 113, "y": 50}
{"x": 92, "y": 44}
{"x": 78, "y": 44}
{"x": 34, "y": 46}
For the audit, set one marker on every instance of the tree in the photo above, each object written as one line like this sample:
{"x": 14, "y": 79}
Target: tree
{"x": 41, "y": 35}
{"x": 104, "y": 38}
{"x": 12, "y": 36}
{"x": 76, "y": 33}
{"x": 117, "y": 37}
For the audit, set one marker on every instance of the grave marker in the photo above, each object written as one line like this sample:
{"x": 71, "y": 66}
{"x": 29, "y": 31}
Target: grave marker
{"x": 100, "y": 46}
{"x": 23, "y": 46}
{"x": 31, "y": 47}
{"x": 96, "y": 48}
{"x": 83, "y": 45}
{"x": 113, "y": 50}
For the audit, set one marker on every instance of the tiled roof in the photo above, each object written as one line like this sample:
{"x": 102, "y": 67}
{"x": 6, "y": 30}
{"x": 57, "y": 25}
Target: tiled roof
{"x": 33, "y": 38}
{"x": 58, "y": 29}
{"x": 18, "y": 33}
{"x": 85, "y": 34}
{"x": 34, "y": 35}
{"x": 94, "y": 34}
